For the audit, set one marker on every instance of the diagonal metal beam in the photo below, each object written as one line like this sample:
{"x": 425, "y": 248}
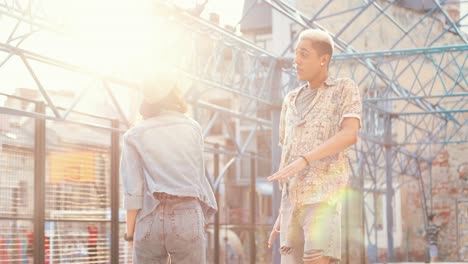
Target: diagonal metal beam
{"x": 452, "y": 24}
{"x": 40, "y": 87}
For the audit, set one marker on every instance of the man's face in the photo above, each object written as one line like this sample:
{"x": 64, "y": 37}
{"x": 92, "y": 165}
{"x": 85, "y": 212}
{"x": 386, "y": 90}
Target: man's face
{"x": 308, "y": 62}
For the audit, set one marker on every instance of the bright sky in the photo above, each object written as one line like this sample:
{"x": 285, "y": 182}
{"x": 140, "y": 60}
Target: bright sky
{"x": 113, "y": 37}
{"x": 111, "y": 33}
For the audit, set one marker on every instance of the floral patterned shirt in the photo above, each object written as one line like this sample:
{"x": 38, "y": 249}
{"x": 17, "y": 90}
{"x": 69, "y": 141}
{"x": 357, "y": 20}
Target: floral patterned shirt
{"x": 325, "y": 179}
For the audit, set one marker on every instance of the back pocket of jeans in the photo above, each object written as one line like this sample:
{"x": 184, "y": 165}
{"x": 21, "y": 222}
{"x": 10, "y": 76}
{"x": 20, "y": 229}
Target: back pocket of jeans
{"x": 186, "y": 224}
{"x": 143, "y": 228}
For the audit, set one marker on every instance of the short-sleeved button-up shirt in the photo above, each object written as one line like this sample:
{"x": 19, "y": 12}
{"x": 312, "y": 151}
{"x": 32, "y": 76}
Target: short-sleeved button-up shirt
{"x": 323, "y": 180}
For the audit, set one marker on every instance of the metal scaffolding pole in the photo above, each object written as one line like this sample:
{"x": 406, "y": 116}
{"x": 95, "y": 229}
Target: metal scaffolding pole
{"x": 389, "y": 185}
{"x": 39, "y": 186}
{"x": 115, "y": 191}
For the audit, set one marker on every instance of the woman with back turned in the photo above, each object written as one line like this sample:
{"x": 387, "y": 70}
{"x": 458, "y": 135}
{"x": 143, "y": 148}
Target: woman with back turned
{"x": 166, "y": 194}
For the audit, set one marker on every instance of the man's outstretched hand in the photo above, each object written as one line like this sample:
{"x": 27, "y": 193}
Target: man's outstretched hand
{"x": 289, "y": 170}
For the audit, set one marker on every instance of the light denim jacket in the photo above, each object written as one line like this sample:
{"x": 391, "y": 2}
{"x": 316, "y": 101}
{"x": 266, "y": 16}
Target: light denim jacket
{"x": 164, "y": 154}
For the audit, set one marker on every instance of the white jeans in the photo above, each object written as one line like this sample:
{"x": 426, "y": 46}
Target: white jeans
{"x": 309, "y": 230}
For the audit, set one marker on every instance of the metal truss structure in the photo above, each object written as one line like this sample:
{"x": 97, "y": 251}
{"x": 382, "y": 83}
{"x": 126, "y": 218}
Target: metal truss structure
{"x": 414, "y": 84}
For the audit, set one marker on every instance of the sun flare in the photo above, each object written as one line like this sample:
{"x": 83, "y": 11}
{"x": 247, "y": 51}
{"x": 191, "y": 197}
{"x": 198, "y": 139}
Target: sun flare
{"x": 117, "y": 37}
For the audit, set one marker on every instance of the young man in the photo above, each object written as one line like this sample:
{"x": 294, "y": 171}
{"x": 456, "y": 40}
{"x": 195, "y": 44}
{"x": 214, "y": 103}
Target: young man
{"x": 319, "y": 121}
{"x": 166, "y": 194}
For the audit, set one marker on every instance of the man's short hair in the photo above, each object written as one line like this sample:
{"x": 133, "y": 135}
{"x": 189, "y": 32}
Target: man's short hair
{"x": 321, "y": 40}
